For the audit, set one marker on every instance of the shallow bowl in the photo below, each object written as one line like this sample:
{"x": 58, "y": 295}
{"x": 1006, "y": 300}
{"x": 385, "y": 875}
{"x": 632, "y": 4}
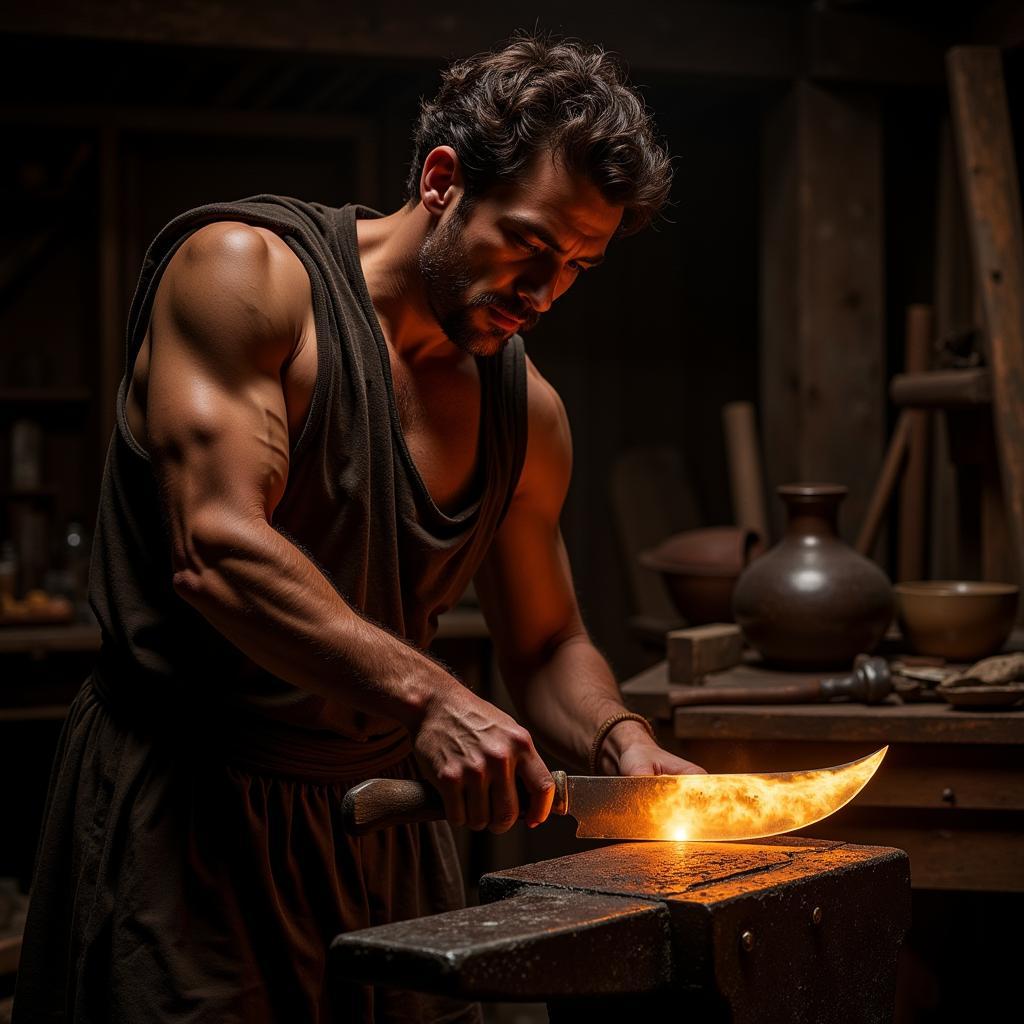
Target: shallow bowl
{"x": 961, "y": 620}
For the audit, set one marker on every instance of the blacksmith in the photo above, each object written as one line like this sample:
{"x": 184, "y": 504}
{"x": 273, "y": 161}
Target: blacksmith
{"x": 327, "y": 429}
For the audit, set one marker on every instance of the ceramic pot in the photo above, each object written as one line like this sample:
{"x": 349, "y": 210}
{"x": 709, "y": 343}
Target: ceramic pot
{"x": 812, "y": 601}
{"x": 700, "y": 569}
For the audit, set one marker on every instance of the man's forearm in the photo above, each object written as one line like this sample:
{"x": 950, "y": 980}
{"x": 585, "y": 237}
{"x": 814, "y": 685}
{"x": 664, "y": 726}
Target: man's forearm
{"x": 271, "y": 601}
{"x": 567, "y": 698}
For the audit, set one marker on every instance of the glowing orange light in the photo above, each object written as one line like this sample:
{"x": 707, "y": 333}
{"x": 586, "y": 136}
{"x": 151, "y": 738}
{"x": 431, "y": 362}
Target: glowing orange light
{"x": 721, "y": 807}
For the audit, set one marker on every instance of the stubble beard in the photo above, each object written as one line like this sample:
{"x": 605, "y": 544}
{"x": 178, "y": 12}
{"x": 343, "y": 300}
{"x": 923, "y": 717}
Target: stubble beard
{"x": 445, "y": 268}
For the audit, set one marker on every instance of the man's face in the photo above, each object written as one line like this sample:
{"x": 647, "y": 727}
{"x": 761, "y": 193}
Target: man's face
{"x": 493, "y": 271}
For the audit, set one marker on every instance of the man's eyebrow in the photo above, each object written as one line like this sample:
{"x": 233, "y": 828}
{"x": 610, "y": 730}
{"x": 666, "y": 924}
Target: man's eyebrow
{"x": 523, "y": 224}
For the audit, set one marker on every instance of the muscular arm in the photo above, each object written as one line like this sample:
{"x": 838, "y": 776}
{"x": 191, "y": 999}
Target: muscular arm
{"x": 226, "y": 320}
{"x": 562, "y": 685}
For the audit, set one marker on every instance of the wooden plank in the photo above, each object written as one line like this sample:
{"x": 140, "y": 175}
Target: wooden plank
{"x": 988, "y": 173}
{"x": 887, "y": 723}
{"x": 822, "y": 293}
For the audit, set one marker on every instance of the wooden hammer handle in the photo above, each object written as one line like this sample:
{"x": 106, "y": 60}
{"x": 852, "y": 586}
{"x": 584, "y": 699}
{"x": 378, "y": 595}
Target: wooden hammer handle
{"x": 794, "y": 693}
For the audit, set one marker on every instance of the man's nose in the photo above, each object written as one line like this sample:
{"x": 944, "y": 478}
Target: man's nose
{"x": 538, "y": 294}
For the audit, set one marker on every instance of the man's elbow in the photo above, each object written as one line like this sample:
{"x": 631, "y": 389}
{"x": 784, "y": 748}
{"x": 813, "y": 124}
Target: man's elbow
{"x": 203, "y": 551}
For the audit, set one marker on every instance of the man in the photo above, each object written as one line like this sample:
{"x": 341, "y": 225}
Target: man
{"x": 327, "y": 428}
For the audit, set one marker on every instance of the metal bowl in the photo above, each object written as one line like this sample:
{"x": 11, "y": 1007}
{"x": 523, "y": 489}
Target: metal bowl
{"x": 960, "y": 620}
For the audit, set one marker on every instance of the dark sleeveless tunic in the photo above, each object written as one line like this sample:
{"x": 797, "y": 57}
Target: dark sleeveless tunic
{"x": 354, "y": 501}
{"x": 192, "y": 866}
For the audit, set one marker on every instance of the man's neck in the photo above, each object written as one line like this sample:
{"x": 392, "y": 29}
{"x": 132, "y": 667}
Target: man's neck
{"x": 389, "y": 254}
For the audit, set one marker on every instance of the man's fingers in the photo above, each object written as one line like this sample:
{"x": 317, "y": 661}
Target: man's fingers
{"x": 478, "y": 803}
{"x": 450, "y": 786}
{"x": 504, "y": 803}
{"x": 539, "y": 786}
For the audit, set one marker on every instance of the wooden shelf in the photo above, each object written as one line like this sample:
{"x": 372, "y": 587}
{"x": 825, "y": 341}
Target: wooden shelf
{"x": 76, "y": 636}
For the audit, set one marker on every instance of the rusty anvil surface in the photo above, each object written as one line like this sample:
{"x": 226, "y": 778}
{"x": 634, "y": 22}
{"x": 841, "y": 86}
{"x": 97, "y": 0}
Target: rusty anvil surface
{"x": 783, "y": 929}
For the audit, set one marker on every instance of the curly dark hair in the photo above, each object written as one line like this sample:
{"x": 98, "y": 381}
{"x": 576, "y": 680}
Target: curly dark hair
{"x": 498, "y": 110}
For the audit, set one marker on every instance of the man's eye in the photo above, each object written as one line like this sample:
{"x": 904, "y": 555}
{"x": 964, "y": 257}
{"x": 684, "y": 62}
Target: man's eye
{"x": 527, "y": 247}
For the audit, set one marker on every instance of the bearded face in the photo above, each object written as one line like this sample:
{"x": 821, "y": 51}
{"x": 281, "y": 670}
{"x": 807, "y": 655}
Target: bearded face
{"x": 482, "y": 323}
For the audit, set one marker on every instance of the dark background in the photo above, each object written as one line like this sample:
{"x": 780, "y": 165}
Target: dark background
{"x": 115, "y": 117}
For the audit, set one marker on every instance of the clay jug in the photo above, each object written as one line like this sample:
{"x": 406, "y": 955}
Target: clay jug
{"x": 812, "y": 601}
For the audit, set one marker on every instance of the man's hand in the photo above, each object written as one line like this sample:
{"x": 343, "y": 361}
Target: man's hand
{"x": 473, "y": 753}
{"x": 650, "y": 759}
{"x": 629, "y": 750}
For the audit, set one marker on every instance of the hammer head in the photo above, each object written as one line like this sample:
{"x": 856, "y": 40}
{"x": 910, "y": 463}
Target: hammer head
{"x": 870, "y": 681}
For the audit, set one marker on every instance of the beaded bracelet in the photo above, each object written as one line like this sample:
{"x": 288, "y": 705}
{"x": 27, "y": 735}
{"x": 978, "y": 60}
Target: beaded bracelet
{"x": 606, "y": 727}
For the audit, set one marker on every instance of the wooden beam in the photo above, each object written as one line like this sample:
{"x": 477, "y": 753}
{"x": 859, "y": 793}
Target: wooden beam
{"x": 942, "y": 389}
{"x": 988, "y": 172}
{"x": 852, "y": 46}
{"x": 822, "y": 294}
{"x": 743, "y": 40}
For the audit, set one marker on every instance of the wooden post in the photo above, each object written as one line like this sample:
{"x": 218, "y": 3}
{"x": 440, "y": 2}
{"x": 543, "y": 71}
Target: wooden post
{"x": 954, "y": 302}
{"x": 746, "y": 478}
{"x": 822, "y": 293}
{"x": 914, "y": 486}
{"x": 988, "y": 173}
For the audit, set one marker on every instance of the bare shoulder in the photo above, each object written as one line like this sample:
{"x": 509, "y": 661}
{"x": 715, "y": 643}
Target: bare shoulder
{"x": 545, "y": 410}
{"x": 548, "y": 463}
{"x": 231, "y": 284}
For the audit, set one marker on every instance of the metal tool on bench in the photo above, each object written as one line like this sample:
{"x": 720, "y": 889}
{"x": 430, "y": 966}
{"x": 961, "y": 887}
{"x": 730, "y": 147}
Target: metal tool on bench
{"x": 708, "y": 808}
{"x": 869, "y": 683}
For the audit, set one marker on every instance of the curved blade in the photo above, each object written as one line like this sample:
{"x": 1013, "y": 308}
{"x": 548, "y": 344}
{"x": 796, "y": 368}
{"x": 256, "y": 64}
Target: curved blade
{"x": 713, "y": 808}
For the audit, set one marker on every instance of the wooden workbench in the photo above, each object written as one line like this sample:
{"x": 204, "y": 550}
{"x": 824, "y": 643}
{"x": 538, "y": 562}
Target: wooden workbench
{"x": 950, "y": 791}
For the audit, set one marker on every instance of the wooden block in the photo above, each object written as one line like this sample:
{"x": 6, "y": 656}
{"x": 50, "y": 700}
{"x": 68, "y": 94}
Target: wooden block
{"x": 694, "y": 652}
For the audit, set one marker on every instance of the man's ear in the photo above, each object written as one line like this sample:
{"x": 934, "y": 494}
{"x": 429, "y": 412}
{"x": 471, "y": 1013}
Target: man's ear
{"x": 441, "y": 180}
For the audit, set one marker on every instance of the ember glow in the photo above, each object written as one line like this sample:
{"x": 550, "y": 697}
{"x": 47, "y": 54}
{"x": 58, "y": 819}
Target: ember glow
{"x": 714, "y": 808}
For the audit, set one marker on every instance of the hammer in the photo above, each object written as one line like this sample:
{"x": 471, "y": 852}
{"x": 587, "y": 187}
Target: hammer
{"x": 868, "y": 683}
